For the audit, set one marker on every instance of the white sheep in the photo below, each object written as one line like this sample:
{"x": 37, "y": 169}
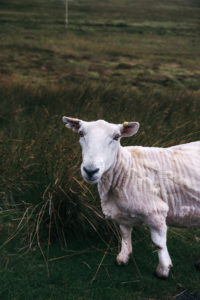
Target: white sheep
{"x": 151, "y": 185}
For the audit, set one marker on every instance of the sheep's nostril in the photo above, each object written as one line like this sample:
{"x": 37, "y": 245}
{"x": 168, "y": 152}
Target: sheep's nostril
{"x": 90, "y": 173}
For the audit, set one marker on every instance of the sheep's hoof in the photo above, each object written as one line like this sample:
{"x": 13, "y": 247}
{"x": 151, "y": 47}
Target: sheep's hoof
{"x": 160, "y": 276}
{"x": 122, "y": 263}
{"x": 197, "y": 265}
{"x": 162, "y": 272}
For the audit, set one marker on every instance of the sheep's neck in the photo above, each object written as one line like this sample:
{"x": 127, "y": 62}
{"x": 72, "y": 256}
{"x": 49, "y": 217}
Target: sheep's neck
{"x": 114, "y": 177}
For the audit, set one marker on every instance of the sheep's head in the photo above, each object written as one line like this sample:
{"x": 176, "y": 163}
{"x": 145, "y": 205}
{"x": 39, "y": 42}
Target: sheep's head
{"x": 99, "y": 141}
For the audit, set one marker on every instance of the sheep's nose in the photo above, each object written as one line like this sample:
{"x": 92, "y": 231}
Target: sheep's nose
{"x": 90, "y": 173}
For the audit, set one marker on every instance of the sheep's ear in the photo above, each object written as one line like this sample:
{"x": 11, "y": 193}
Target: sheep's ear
{"x": 72, "y": 123}
{"x": 129, "y": 128}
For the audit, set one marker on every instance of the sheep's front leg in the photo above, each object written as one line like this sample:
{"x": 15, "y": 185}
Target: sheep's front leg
{"x": 126, "y": 246}
{"x": 158, "y": 230}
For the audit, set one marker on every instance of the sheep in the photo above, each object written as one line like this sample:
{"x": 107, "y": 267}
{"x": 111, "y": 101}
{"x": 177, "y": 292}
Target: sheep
{"x": 159, "y": 187}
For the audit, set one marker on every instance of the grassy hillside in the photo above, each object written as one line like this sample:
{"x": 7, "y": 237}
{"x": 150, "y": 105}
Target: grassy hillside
{"x": 141, "y": 43}
{"x": 117, "y": 60}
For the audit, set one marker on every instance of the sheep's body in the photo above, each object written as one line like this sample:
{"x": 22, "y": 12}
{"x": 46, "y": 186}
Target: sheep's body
{"x": 149, "y": 181}
{"x": 155, "y": 186}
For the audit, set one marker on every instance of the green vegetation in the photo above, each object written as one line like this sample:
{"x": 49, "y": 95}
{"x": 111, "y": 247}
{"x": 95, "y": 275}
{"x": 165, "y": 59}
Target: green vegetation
{"x": 118, "y": 60}
{"x": 88, "y": 271}
{"x": 141, "y": 43}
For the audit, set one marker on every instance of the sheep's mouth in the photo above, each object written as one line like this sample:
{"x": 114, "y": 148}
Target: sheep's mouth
{"x": 91, "y": 180}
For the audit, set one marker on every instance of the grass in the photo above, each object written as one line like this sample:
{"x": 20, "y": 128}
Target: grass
{"x": 157, "y": 40}
{"x": 118, "y": 60}
{"x": 47, "y": 211}
{"x": 86, "y": 270}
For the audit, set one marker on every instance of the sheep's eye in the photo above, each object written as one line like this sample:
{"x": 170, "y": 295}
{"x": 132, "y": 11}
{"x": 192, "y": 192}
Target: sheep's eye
{"x": 116, "y": 137}
{"x": 81, "y": 133}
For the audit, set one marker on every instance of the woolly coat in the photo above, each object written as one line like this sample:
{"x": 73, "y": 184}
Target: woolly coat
{"x": 145, "y": 182}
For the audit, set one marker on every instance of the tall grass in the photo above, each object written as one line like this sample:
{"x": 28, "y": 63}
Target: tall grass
{"x": 42, "y": 193}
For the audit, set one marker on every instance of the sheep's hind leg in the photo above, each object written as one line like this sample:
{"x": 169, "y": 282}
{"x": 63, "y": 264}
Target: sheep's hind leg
{"x": 126, "y": 246}
{"x": 158, "y": 230}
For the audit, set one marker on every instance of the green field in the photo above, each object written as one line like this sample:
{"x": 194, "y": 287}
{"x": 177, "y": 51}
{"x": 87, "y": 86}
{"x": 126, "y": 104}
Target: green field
{"x": 117, "y": 60}
{"x": 142, "y": 43}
